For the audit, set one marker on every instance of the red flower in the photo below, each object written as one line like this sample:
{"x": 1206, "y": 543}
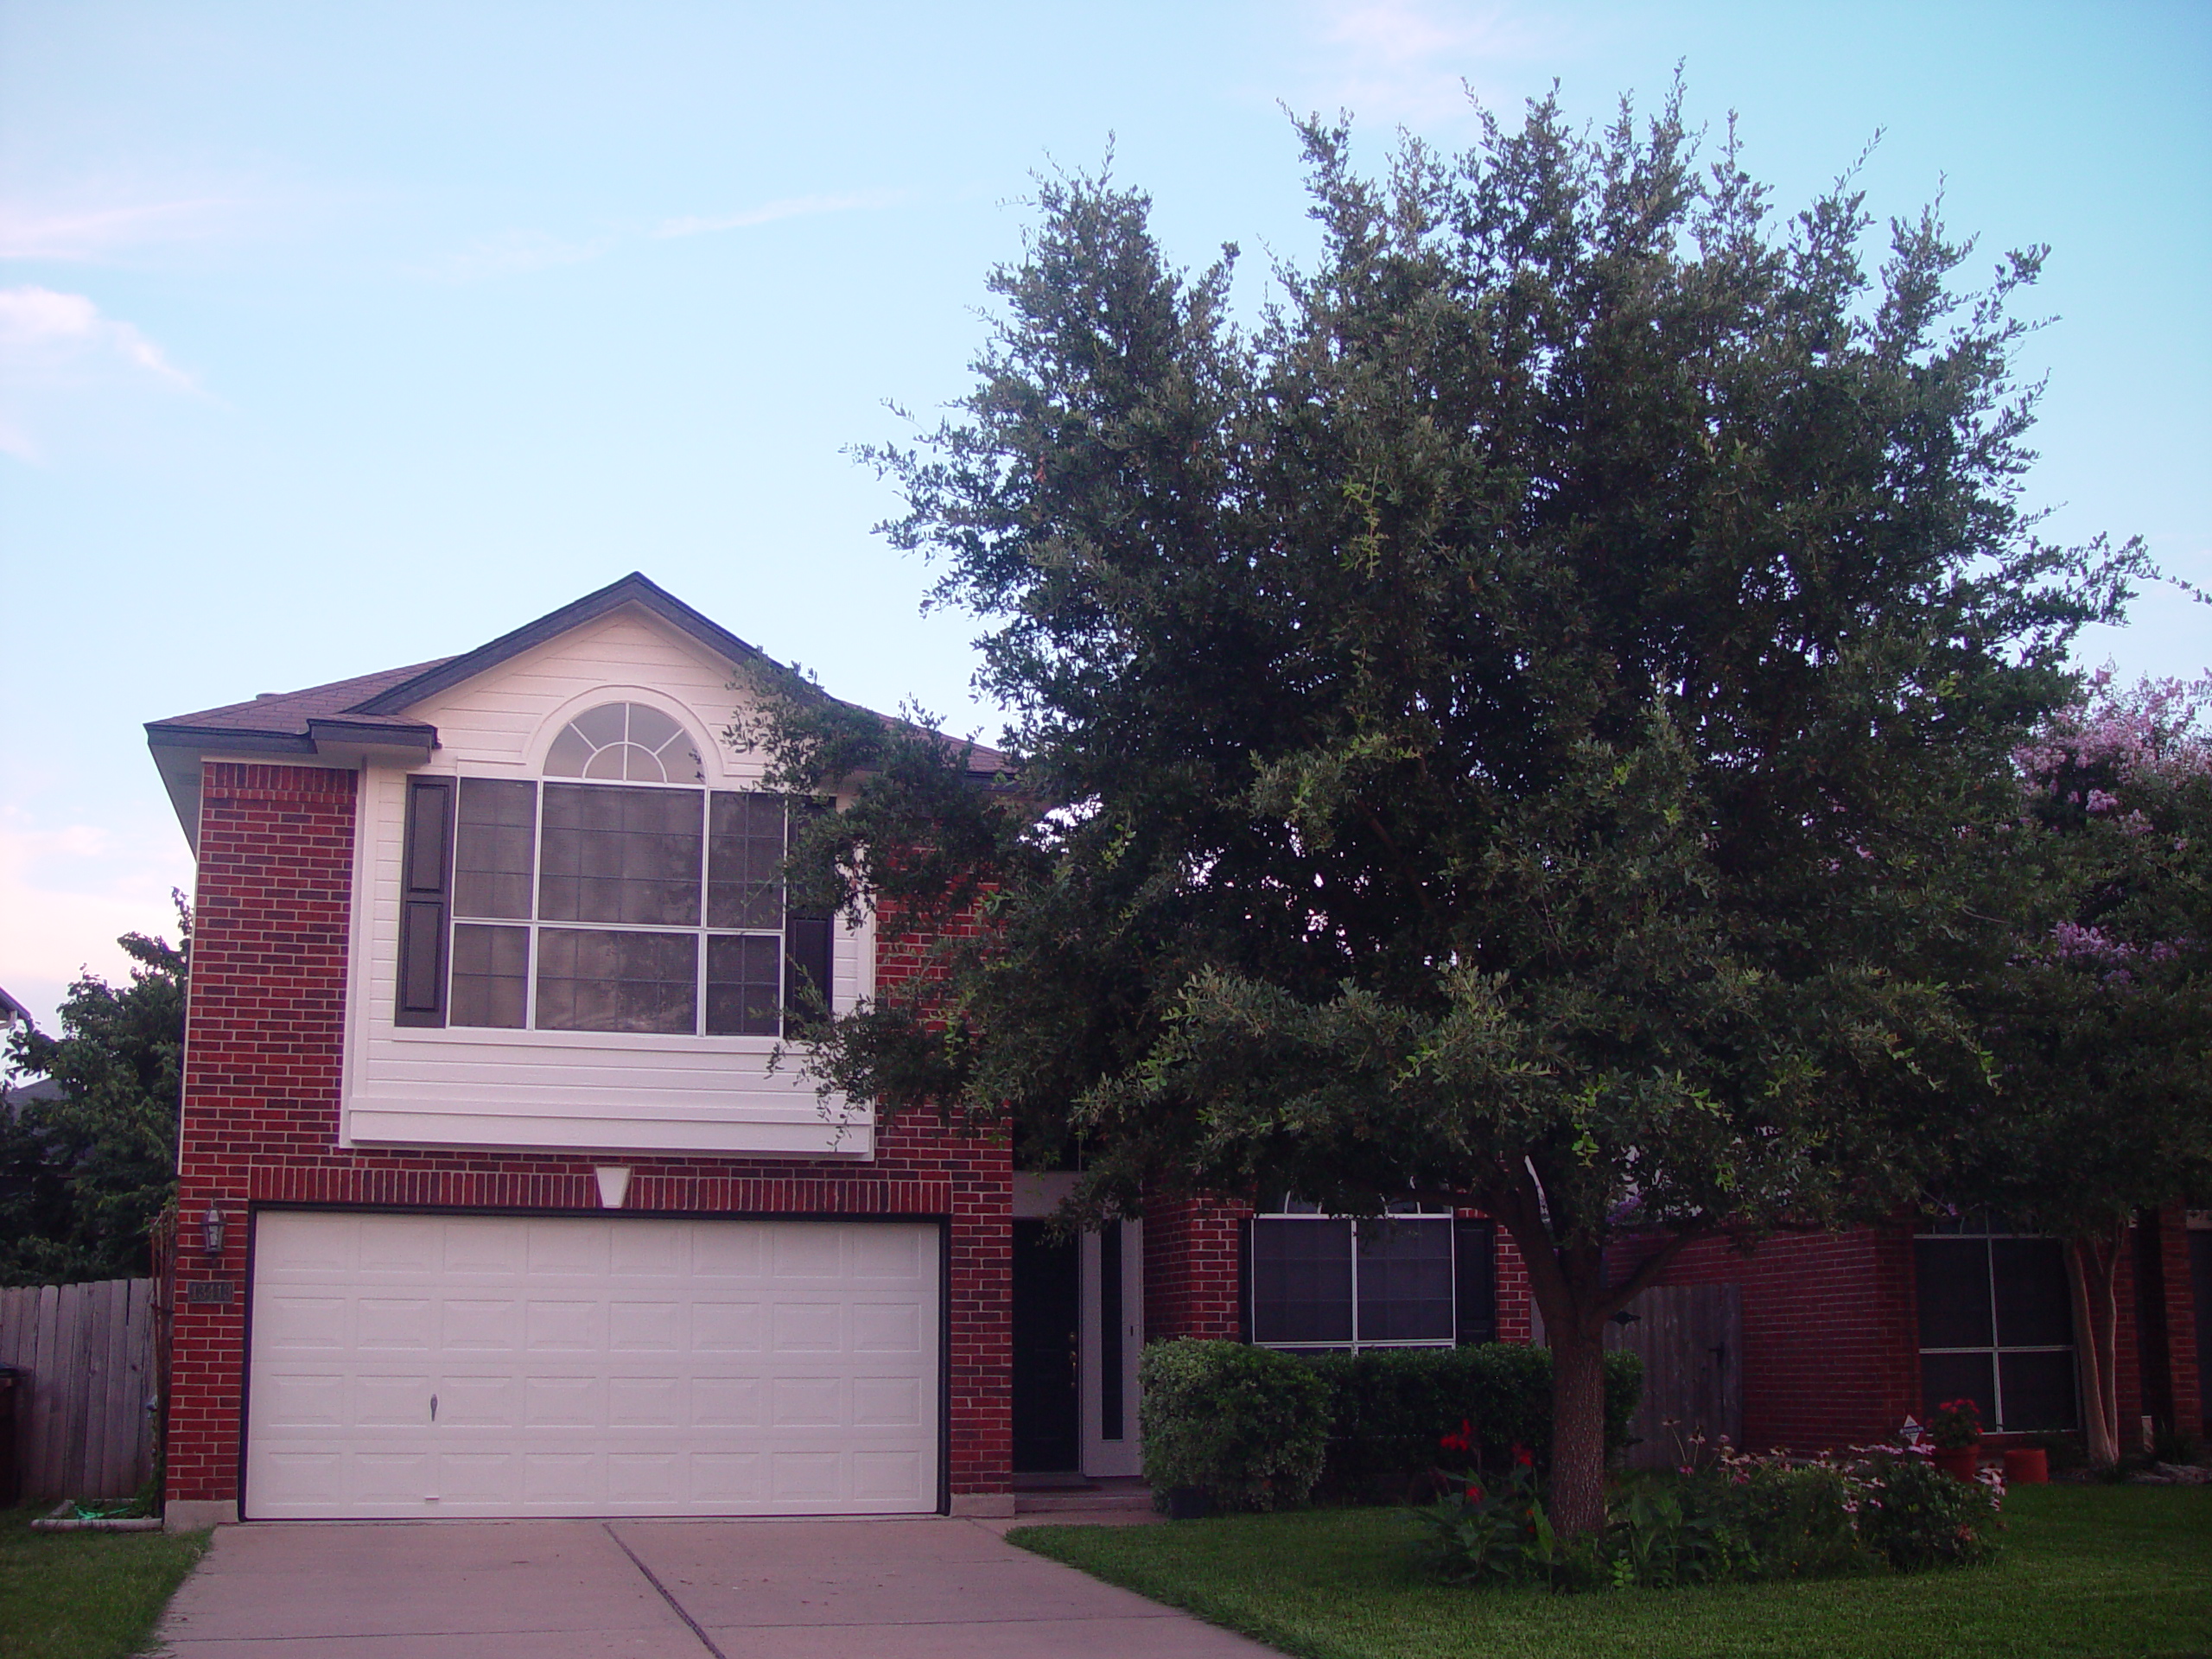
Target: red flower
{"x": 1463, "y": 1441}
{"x": 1474, "y": 1493}
{"x": 1522, "y": 1457}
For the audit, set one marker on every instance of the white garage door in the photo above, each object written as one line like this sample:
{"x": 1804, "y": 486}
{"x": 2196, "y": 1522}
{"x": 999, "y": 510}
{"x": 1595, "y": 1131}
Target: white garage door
{"x": 488, "y": 1366}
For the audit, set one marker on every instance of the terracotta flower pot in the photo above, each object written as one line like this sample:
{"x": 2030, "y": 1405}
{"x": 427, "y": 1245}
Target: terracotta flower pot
{"x": 1959, "y": 1460}
{"x": 2027, "y": 1465}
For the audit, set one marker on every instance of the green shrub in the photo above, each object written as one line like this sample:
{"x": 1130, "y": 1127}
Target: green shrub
{"x": 1245, "y": 1426}
{"x": 1740, "y": 1519}
{"x": 1390, "y": 1406}
{"x": 1917, "y": 1516}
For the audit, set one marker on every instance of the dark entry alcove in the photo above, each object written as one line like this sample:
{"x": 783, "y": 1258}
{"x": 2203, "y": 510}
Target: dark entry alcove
{"x": 1044, "y": 1316}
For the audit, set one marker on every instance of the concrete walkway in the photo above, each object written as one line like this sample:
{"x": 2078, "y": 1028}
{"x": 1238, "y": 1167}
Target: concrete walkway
{"x": 913, "y": 1589}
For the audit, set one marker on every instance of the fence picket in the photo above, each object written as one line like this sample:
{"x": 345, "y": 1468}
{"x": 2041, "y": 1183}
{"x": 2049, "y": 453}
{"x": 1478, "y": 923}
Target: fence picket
{"x": 85, "y": 1357}
{"x": 89, "y": 1478}
{"x": 137, "y": 1355}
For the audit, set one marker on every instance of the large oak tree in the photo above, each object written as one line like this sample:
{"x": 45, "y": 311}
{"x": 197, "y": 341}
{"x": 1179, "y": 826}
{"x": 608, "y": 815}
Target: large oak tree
{"x": 1498, "y": 731}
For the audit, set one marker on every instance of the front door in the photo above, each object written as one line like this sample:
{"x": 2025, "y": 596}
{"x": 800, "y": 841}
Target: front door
{"x": 1046, "y": 1322}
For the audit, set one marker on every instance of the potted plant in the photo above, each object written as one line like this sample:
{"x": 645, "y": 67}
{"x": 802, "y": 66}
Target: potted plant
{"x": 1955, "y": 1430}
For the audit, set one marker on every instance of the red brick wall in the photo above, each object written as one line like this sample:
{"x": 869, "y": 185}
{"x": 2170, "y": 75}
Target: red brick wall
{"x": 1516, "y": 1307}
{"x": 1191, "y": 1269}
{"x": 1831, "y": 1343}
{"x": 261, "y": 1082}
{"x": 2170, "y": 1231}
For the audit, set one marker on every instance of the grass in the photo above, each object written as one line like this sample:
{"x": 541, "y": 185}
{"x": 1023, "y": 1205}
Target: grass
{"x": 2087, "y": 1571}
{"x": 85, "y": 1595}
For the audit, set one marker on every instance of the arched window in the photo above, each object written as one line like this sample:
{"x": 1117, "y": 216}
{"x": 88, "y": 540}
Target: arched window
{"x": 624, "y": 743}
{"x": 617, "y": 894}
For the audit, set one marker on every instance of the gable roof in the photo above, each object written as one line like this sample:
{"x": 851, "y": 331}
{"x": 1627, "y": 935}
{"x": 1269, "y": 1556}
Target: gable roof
{"x": 366, "y": 718}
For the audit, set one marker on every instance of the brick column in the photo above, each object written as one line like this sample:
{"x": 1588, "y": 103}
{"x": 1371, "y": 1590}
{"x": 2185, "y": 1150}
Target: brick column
{"x": 264, "y": 1034}
{"x": 1192, "y": 1273}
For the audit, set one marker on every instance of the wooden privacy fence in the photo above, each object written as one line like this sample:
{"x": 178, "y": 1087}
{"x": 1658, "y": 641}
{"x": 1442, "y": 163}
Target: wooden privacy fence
{"x": 84, "y": 1358}
{"x": 1691, "y": 1340}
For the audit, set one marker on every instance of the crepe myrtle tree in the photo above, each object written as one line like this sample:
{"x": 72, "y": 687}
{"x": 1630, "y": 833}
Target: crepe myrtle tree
{"x": 1496, "y": 731}
{"x": 2101, "y": 1019}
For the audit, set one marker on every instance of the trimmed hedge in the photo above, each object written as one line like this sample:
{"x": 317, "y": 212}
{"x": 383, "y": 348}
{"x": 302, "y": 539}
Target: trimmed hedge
{"x": 1388, "y": 1407}
{"x": 1245, "y": 1424}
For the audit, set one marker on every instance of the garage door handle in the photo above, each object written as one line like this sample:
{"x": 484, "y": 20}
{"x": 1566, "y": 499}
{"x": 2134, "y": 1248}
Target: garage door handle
{"x": 434, "y": 1407}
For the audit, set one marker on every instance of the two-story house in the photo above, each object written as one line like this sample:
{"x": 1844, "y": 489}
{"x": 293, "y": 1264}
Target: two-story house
{"x": 496, "y": 1199}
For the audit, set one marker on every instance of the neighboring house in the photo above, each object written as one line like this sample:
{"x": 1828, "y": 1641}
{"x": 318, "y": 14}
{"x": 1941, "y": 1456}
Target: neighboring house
{"x": 495, "y": 1203}
{"x": 13, "y": 1015}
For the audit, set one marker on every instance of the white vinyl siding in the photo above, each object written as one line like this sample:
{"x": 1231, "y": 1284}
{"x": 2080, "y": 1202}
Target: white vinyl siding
{"x": 423, "y": 1366}
{"x": 577, "y": 1090}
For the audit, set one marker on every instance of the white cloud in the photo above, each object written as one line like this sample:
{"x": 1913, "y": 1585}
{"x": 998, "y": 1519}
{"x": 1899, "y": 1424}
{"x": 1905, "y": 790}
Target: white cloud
{"x": 1413, "y": 63}
{"x": 515, "y": 253}
{"x": 41, "y": 329}
{"x": 67, "y": 893}
{"x": 94, "y": 233}
{"x": 769, "y": 213}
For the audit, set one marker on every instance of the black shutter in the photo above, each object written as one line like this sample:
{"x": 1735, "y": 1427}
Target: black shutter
{"x": 1244, "y": 1280}
{"x": 806, "y": 936}
{"x": 426, "y": 887}
{"x": 1474, "y": 1250}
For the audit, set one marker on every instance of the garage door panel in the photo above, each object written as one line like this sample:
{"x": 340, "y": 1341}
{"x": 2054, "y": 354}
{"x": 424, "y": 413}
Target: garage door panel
{"x": 574, "y": 1325}
{"x": 564, "y": 1403}
{"x": 655, "y": 1249}
{"x": 467, "y": 1479}
{"x": 590, "y": 1365}
{"x": 302, "y": 1399}
{"x": 725, "y": 1481}
{"x": 382, "y": 1400}
{"x": 476, "y": 1252}
{"x": 291, "y": 1324}
{"x": 644, "y": 1327}
{"x": 727, "y": 1402}
{"x": 645, "y": 1403}
{"x": 478, "y": 1325}
{"x": 394, "y": 1325}
{"x": 886, "y": 1401}
{"x": 809, "y": 1327}
{"x": 886, "y": 1328}
{"x": 810, "y": 1253}
{"x": 728, "y": 1327}
{"x": 885, "y": 1475}
{"x": 732, "y": 1252}
{"x": 480, "y": 1401}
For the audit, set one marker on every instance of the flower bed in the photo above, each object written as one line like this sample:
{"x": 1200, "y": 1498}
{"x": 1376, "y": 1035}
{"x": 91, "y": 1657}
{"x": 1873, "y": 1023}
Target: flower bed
{"x": 1736, "y": 1518}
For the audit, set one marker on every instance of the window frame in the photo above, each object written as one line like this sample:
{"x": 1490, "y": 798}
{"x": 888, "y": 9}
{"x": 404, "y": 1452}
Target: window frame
{"x": 434, "y": 906}
{"x": 1294, "y": 1212}
{"x": 1988, "y": 1231}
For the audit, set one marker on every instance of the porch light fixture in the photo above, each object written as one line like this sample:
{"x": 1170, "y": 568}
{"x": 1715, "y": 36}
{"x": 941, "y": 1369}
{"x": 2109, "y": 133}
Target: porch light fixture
{"x": 211, "y": 1230}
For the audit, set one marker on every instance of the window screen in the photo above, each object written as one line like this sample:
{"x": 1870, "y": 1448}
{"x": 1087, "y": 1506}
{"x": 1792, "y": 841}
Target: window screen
{"x": 615, "y": 907}
{"x": 1321, "y": 1281}
{"x": 1997, "y": 1326}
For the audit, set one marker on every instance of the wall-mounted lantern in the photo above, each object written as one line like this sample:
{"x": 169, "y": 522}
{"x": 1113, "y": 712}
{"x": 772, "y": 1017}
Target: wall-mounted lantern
{"x": 211, "y": 1230}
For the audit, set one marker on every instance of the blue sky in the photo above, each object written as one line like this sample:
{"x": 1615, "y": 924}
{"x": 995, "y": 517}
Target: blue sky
{"x": 334, "y": 338}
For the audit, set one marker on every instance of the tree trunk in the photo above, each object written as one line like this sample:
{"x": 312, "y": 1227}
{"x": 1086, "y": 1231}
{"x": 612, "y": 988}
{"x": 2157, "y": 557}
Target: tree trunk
{"x": 2092, "y": 1270}
{"x": 1578, "y": 1429}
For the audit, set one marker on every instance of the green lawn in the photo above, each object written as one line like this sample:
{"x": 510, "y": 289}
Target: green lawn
{"x": 2087, "y": 1570}
{"x": 85, "y": 1595}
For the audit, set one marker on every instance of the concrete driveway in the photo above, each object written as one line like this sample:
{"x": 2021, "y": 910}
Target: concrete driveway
{"x": 910, "y": 1589}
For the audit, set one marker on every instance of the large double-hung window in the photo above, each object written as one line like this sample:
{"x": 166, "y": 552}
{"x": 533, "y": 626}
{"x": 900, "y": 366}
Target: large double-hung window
{"x": 1996, "y": 1323}
{"x": 1401, "y": 1281}
{"x": 614, "y": 893}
